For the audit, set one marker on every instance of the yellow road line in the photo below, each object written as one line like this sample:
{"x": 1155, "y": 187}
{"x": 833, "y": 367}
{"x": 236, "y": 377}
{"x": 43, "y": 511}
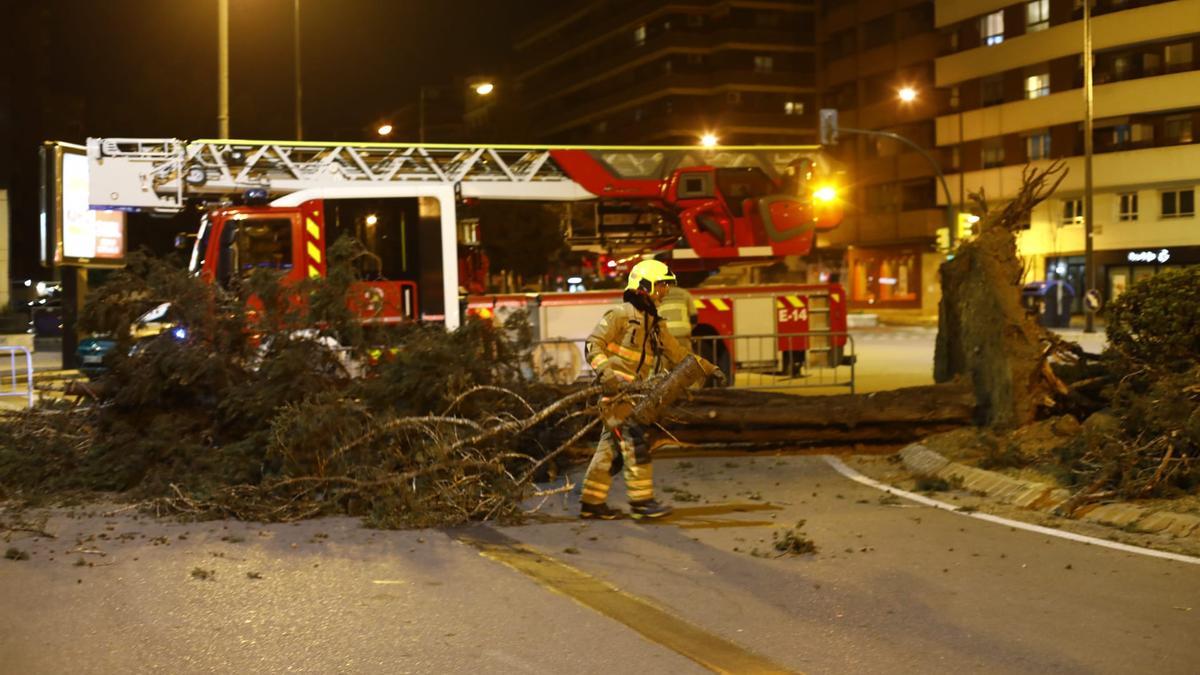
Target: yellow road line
{"x": 655, "y": 624}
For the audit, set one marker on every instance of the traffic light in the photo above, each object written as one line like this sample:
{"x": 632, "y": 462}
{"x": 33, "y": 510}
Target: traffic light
{"x": 828, "y": 132}
{"x": 943, "y": 239}
{"x": 966, "y": 226}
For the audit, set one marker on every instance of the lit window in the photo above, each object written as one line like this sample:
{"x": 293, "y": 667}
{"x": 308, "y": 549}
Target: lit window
{"x": 991, "y": 27}
{"x": 1037, "y": 86}
{"x": 1072, "y": 212}
{"x": 1037, "y": 15}
{"x": 793, "y": 107}
{"x": 764, "y": 64}
{"x": 1179, "y": 56}
{"x": 639, "y": 35}
{"x": 1178, "y": 203}
{"x": 1127, "y": 207}
{"x": 1037, "y": 146}
{"x": 1178, "y": 129}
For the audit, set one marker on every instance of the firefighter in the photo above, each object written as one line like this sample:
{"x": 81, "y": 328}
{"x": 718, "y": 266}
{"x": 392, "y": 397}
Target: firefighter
{"x": 630, "y": 343}
{"x": 678, "y": 309}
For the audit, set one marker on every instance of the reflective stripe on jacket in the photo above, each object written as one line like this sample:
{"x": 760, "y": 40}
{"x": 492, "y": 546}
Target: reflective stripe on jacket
{"x": 617, "y": 343}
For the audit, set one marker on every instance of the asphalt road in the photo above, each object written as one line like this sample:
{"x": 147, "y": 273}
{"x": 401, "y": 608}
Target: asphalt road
{"x": 894, "y": 587}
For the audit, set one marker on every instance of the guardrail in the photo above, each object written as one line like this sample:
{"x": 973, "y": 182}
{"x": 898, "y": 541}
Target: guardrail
{"x": 783, "y": 361}
{"x": 10, "y": 386}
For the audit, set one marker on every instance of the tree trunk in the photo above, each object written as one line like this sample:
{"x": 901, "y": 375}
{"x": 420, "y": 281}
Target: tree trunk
{"x": 732, "y": 415}
{"x": 984, "y": 333}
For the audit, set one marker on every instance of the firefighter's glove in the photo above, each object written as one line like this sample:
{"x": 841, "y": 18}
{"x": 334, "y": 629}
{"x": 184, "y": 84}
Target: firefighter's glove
{"x": 609, "y": 381}
{"x": 718, "y": 378}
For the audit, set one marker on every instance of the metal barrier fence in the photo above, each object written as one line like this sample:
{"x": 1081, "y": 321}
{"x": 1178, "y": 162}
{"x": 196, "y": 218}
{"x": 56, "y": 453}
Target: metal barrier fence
{"x": 781, "y": 361}
{"x": 11, "y": 385}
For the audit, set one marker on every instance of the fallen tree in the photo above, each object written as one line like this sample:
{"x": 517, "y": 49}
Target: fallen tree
{"x": 984, "y": 334}
{"x": 725, "y": 416}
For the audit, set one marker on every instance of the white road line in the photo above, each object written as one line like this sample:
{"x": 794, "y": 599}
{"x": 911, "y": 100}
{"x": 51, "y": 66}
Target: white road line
{"x": 840, "y": 466}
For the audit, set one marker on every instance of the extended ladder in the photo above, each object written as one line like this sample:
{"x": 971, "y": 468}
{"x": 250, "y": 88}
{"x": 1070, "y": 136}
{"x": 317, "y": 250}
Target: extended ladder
{"x": 161, "y": 174}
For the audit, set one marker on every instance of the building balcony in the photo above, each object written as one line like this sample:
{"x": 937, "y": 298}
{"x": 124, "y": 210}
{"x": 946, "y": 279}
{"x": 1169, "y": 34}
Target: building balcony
{"x": 645, "y": 91}
{"x": 686, "y": 128}
{"x": 1145, "y": 24}
{"x": 1161, "y": 166}
{"x": 568, "y": 77}
{"x": 1177, "y": 91}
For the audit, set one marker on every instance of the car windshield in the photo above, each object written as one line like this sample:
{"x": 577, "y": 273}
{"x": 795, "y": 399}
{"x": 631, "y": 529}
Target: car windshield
{"x": 156, "y": 314}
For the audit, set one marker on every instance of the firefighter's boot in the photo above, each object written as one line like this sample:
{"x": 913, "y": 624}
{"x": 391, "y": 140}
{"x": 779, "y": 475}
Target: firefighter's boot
{"x": 598, "y": 512}
{"x": 649, "y": 509}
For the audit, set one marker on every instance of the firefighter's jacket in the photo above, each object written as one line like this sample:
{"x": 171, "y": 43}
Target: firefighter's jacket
{"x": 622, "y": 337}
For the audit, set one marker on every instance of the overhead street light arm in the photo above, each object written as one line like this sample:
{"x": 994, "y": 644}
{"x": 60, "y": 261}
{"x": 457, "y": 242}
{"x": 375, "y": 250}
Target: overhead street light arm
{"x": 932, "y": 162}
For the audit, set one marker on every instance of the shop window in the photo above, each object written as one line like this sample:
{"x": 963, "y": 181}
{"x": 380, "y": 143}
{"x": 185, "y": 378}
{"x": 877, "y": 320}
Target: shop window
{"x": 1179, "y": 56}
{"x": 764, "y": 64}
{"x": 991, "y": 28}
{"x": 1127, "y": 206}
{"x": 1037, "y": 85}
{"x": 885, "y": 277}
{"x": 1178, "y": 203}
{"x": 992, "y": 90}
{"x": 993, "y": 153}
{"x": 1072, "y": 213}
{"x": 1037, "y": 15}
{"x": 1037, "y": 146}
{"x": 1178, "y": 129}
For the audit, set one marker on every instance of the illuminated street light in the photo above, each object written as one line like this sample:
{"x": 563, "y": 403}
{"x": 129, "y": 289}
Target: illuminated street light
{"x": 708, "y": 140}
{"x": 484, "y": 88}
{"x": 372, "y": 219}
{"x": 384, "y": 129}
{"x": 907, "y": 94}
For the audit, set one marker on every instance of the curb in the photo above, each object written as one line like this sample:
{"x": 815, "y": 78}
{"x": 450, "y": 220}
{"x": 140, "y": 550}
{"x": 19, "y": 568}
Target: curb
{"x": 922, "y": 461}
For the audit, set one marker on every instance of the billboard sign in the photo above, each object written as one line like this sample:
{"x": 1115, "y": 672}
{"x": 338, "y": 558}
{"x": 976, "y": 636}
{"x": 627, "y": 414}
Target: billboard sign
{"x": 72, "y": 233}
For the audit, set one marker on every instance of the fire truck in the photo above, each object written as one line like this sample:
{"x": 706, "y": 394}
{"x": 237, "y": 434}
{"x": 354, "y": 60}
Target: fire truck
{"x": 279, "y": 204}
{"x": 802, "y": 324}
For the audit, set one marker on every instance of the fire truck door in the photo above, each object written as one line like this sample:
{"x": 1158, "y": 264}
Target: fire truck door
{"x": 792, "y": 316}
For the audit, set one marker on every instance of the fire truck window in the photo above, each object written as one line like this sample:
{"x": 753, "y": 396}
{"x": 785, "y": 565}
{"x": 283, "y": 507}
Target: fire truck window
{"x": 739, "y": 184}
{"x": 264, "y": 244}
{"x": 695, "y": 185}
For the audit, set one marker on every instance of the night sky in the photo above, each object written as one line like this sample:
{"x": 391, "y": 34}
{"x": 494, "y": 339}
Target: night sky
{"x": 148, "y": 68}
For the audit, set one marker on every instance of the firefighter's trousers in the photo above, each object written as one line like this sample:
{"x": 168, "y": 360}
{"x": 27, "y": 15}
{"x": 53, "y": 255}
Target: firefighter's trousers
{"x": 639, "y": 477}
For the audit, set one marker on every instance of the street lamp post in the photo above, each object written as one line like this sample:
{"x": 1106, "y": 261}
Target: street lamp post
{"x": 223, "y": 68}
{"x": 1089, "y": 264}
{"x": 296, "y": 64}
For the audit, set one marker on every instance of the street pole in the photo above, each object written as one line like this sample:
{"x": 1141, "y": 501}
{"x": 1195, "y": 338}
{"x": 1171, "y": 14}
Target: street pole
{"x": 296, "y": 64}
{"x": 223, "y": 68}
{"x": 962, "y": 158}
{"x": 950, "y": 212}
{"x": 1089, "y": 264}
{"x": 421, "y": 115}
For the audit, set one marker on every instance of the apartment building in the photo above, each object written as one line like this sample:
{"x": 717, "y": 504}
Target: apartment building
{"x": 1014, "y": 74}
{"x": 877, "y": 71}
{"x": 671, "y": 71}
